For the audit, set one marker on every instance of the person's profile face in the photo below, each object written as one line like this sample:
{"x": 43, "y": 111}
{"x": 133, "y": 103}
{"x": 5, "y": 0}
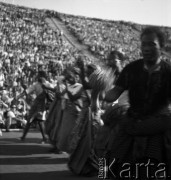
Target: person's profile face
{"x": 150, "y": 47}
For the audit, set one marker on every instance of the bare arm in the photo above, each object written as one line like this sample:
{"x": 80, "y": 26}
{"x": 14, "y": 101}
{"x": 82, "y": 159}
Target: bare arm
{"x": 111, "y": 96}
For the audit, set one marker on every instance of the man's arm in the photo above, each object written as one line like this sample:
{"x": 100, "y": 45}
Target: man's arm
{"x": 113, "y": 94}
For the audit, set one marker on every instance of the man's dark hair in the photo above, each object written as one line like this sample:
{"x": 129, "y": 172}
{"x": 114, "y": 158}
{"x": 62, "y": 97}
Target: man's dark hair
{"x": 155, "y": 30}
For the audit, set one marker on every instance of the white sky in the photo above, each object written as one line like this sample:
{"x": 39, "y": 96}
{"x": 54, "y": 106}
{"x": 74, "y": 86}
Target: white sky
{"x": 154, "y": 12}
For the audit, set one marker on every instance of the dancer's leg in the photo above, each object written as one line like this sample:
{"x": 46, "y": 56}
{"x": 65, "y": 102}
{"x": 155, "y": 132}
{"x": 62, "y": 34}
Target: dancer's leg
{"x": 26, "y": 129}
{"x": 42, "y": 129}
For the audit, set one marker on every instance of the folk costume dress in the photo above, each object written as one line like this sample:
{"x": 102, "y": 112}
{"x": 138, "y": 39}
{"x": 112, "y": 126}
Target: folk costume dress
{"x": 83, "y": 159}
{"x": 54, "y": 118}
{"x": 62, "y": 116}
{"x": 72, "y": 108}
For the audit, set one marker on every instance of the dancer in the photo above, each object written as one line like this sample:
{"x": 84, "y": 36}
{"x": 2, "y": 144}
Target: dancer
{"x": 72, "y": 100}
{"x": 144, "y": 132}
{"x": 38, "y": 109}
{"x": 83, "y": 160}
{"x": 110, "y": 112}
{"x": 54, "y": 118}
{"x": 64, "y": 112}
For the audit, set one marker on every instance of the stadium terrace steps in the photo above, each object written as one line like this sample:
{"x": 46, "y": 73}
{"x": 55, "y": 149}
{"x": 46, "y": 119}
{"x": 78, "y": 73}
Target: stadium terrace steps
{"x": 57, "y": 24}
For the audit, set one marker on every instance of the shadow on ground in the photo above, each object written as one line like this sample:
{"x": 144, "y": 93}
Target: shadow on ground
{"x": 31, "y": 160}
{"x": 21, "y": 149}
{"x": 43, "y": 176}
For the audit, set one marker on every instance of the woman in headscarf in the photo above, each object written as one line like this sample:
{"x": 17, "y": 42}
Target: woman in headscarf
{"x": 83, "y": 160}
{"x": 54, "y": 118}
{"x": 64, "y": 112}
{"x": 72, "y": 101}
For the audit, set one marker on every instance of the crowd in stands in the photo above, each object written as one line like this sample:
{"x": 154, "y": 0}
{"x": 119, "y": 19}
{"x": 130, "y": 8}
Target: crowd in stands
{"x": 27, "y": 45}
{"x": 104, "y": 36}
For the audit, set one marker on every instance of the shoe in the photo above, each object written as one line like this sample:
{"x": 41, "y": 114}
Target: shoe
{"x": 44, "y": 141}
{"x": 7, "y": 130}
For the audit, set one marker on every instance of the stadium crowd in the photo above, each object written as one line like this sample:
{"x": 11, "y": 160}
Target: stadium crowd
{"x": 103, "y": 36}
{"x": 29, "y": 45}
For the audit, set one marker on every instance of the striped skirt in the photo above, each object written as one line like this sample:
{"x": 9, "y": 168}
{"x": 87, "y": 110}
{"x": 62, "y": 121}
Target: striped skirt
{"x": 143, "y": 140}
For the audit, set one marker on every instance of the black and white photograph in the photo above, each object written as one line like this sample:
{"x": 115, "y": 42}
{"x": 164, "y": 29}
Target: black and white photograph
{"x": 85, "y": 89}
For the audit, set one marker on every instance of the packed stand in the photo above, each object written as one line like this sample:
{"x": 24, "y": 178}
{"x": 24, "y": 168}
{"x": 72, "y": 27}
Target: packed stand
{"x": 28, "y": 45}
{"x": 104, "y": 36}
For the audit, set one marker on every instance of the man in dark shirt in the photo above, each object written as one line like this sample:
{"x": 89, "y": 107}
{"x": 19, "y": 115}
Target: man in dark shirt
{"x": 144, "y": 133}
